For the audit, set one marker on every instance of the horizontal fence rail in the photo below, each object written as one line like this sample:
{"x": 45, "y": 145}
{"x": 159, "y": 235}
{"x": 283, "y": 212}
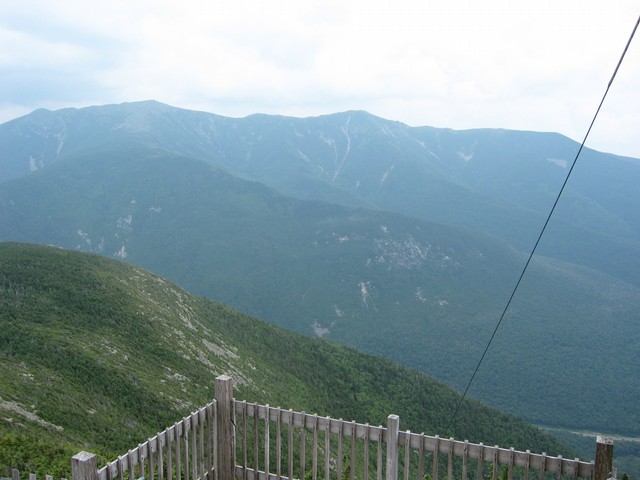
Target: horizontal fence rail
{"x": 184, "y": 451}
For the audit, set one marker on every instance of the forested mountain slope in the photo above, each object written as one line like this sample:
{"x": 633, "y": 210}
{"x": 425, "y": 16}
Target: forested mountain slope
{"x": 422, "y": 293}
{"x": 97, "y": 355}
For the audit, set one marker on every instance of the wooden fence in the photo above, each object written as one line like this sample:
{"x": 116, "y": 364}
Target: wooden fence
{"x": 229, "y": 439}
{"x": 15, "y": 475}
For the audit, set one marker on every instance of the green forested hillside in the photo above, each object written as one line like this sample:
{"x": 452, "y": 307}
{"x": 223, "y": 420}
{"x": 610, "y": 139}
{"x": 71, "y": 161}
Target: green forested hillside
{"x": 96, "y": 354}
{"x": 425, "y": 294}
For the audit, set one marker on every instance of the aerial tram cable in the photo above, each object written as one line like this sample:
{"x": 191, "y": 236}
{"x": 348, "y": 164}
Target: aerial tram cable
{"x": 544, "y": 227}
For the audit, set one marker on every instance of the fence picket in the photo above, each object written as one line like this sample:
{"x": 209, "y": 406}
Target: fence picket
{"x": 511, "y": 460}
{"x": 339, "y": 454}
{"x": 436, "y": 452}
{"x": 365, "y": 467}
{"x": 290, "y": 445}
{"x": 279, "y": 444}
{"x": 559, "y": 471}
{"x": 201, "y": 421}
{"x": 314, "y": 461}
{"x": 303, "y": 445}
{"x": 152, "y": 442}
{"x": 327, "y": 450}
{"x": 379, "y": 463}
{"x": 170, "y": 438}
{"x": 407, "y": 454}
{"x": 465, "y": 459}
{"x": 245, "y": 454}
{"x": 480, "y": 462}
{"x": 120, "y": 465}
{"x": 161, "y": 446}
{"x": 267, "y": 441}
{"x": 450, "y": 460}
{"x": 178, "y": 450}
{"x": 495, "y": 465}
{"x": 352, "y": 464}
{"x": 421, "y": 457}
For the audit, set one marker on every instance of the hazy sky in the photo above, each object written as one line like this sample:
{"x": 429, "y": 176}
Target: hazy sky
{"x": 537, "y": 65}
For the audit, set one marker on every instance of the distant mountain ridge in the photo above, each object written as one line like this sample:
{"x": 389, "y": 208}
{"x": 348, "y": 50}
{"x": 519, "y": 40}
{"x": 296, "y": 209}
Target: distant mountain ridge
{"x": 498, "y": 181}
{"x": 403, "y": 262}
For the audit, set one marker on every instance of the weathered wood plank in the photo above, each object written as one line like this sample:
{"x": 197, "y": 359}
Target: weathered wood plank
{"x": 178, "y": 450}
{"x": 290, "y": 446}
{"x": 527, "y": 465}
{"x": 185, "y": 441}
{"x": 365, "y": 467}
{"x": 339, "y": 454}
{"x": 436, "y": 454}
{"x": 279, "y": 444}
{"x": 303, "y": 445}
{"x": 225, "y": 428}
{"x": 393, "y": 430}
{"x": 121, "y": 467}
{"x": 451, "y": 445}
{"x": 152, "y": 442}
{"x": 201, "y": 429}
{"x": 465, "y": 460}
{"x": 84, "y": 466}
{"x": 421, "y": 459}
{"x": 170, "y": 436}
{"x": 379, "y": 456}
{"x": 267, "y": 442}
{"x": 407, "y": 455}
{"x": 161, "y": 447}
{"x": 210, "y": 445}
{"x": 543, "y": 465}
{"x": 352, "y": 464}
{"x": 327, "y": 455}
{"x": 511, "y": 460}
{"x": 604, "y": 458}
{"x": 314, "y": 460}
{"x": 245, "y": 447}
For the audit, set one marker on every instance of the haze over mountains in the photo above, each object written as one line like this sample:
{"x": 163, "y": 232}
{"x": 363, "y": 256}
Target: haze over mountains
{"x": 401, "y": 241}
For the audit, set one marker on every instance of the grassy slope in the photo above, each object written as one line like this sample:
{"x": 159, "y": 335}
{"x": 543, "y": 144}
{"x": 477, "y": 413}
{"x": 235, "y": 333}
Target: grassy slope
{"x": 103, "y": 354}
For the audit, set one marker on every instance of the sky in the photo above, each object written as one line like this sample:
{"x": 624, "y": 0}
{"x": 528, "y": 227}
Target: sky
{"x": 538, "y": 65}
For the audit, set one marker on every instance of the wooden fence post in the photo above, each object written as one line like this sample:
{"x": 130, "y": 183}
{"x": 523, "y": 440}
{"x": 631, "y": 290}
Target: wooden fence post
{"x": 604, "y": 458}
{"x": 393, "y": 429}
{"x": 225, "y": 429}
{"x": 84, "y": 466}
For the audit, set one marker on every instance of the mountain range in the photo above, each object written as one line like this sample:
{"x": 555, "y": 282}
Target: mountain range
{"x": 404, "y": 242}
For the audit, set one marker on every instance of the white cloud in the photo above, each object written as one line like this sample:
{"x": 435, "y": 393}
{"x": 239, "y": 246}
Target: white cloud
{"x": 457, "y": 63}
